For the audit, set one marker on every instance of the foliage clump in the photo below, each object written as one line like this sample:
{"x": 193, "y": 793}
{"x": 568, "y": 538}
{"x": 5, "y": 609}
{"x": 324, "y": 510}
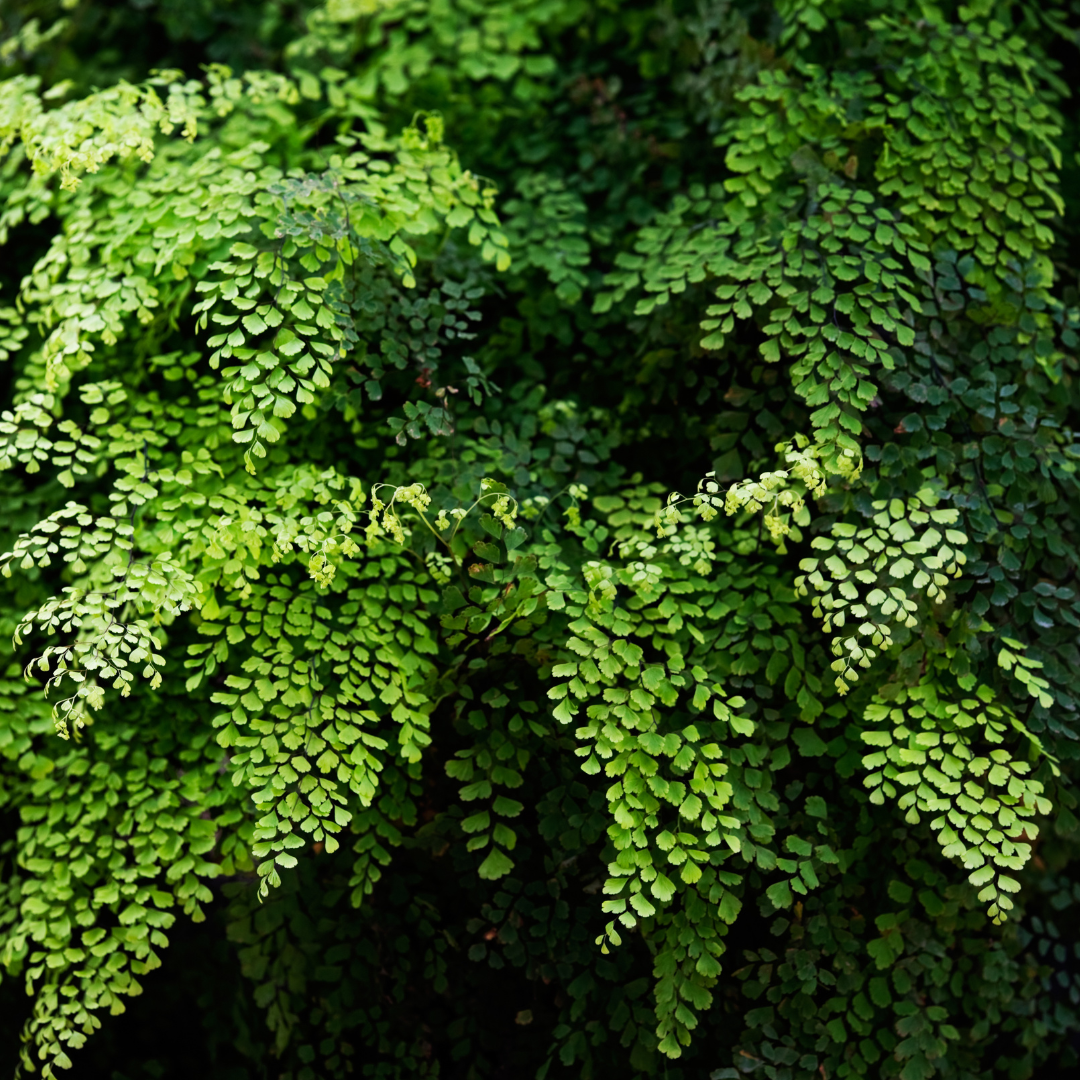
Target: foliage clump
{"x": 357, "y": 356}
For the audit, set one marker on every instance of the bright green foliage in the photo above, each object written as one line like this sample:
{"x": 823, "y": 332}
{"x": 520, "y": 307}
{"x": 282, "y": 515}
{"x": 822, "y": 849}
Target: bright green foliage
{"x": 983, "y": 800}
{"x": 897, "y": 560}
{"x": 357, "y": 355}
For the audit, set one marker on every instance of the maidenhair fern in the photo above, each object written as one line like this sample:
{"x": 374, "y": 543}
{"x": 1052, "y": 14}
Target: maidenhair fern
{"x": 354, "y": 386}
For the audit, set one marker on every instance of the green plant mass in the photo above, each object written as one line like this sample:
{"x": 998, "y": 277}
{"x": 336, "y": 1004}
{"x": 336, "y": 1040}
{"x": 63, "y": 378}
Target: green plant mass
{"x": 540, "y": 538}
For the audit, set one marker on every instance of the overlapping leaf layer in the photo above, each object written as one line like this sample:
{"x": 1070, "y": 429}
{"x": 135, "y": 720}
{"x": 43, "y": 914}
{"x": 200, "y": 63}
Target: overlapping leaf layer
{"x": 551, "y": 528}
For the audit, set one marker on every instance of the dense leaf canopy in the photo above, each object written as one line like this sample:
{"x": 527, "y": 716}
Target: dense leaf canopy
{"x": 541, "y": 538}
